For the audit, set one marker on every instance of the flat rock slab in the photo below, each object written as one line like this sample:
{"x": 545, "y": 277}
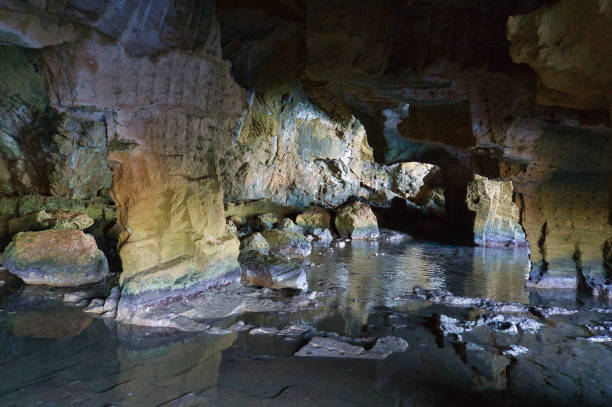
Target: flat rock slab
{"x": 60, "y": 258}
{"x": 333, "y": 348}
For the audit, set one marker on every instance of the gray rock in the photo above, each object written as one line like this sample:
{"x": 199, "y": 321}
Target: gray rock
{"x": 60, "y": 258}
{"x": 267, "y": 221}
{"x": 389, "y": 235}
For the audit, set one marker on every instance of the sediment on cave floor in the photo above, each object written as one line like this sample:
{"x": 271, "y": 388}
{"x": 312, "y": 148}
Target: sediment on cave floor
{"x": 311, "y": 181}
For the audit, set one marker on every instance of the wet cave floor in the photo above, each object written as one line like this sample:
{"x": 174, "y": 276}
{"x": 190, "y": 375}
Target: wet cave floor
{"x": 514, "y": 348}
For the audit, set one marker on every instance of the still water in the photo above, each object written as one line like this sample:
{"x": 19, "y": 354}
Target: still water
{"x": 54, "y": 355}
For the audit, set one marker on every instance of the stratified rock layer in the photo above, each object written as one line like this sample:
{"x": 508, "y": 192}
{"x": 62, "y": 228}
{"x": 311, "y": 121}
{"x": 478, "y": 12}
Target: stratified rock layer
{"x": 60, "y": 258}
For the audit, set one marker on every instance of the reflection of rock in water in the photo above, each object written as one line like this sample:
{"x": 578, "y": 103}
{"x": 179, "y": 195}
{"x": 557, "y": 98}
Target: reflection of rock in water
{"x": 421, "y": 268}
{"x": 153, "y": 369}
{"x": 59, "y": 322}
{"x": 499, "y": 274}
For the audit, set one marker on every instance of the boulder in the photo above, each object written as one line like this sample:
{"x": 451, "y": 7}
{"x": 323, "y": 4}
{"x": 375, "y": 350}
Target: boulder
{"x": 61, "y": 258}
{"x": 288, "y": 224}
{"x": 287, "y": 244}
{"x": 356, "y": 221}
{"x": 314, "y": 218}
{"x": 50, "y": 219}
{"x": 267, "y": 221}
{"x": 255, "y": 242}
{"x": 272, "y": 272}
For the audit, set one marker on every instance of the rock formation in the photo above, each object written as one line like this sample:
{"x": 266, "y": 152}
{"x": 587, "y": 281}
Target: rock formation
{"x": 399, "y": 104}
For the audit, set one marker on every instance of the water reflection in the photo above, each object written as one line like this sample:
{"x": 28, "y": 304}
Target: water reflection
{"x": 378, "y": 274}
{"x": 58, "y": 356}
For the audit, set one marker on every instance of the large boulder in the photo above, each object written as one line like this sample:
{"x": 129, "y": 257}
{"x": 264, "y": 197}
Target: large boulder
{"x": 356, "y": 220}
{"x": 272, "y": 271}
{"x": 60, "y": 258}
{"x": 287, "y": 244}
{"x": 51, "y": 219}
{"x": 314, "y": 218}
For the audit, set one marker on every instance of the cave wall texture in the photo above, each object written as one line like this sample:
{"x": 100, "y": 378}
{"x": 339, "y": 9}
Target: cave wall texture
{"x": 187, "y": 102}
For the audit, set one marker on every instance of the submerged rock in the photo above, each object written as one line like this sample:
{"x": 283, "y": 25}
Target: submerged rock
{"x": 314, "y": 218}
{"x": 357, "y": 221}
{"x": 61, "y": 258}
{"x": 272, "y": 272}
{"x": 333, "y": 348}
{"x": 51, "y": 219}
{"x": 286, "y": 243}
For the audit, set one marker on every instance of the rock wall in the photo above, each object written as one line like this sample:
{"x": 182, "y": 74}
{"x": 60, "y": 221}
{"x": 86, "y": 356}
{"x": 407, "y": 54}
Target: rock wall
{"x": 168, "y": 120}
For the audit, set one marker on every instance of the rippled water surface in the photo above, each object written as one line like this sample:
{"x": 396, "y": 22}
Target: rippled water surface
{"x": 54, "y": 355}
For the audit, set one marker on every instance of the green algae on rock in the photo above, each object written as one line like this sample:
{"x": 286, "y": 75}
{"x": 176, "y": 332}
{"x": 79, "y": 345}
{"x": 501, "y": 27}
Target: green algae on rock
{"x": 60, "y": 258}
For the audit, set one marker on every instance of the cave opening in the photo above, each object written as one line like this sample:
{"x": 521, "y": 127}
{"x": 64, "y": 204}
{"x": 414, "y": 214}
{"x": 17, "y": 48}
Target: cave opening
{"x": 304, "y": 202}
